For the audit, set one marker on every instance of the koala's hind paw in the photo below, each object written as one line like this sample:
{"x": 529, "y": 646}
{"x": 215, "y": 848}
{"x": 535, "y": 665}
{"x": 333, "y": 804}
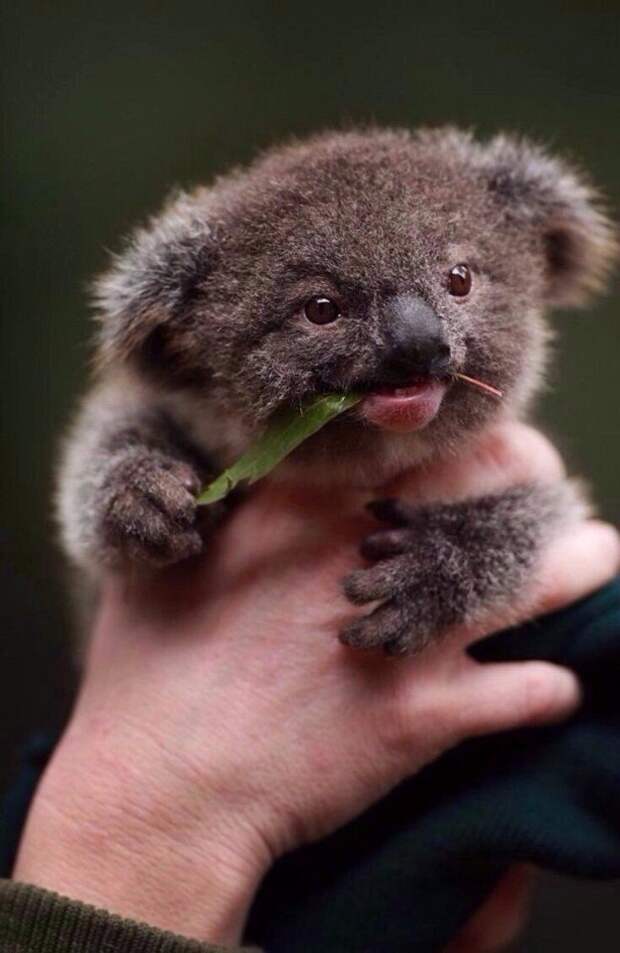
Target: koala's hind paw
{"x": 149, "y": 510}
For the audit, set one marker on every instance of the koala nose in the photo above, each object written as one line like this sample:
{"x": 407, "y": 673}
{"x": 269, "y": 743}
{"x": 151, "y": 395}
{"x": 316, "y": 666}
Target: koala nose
{"x": 414, "y": 341}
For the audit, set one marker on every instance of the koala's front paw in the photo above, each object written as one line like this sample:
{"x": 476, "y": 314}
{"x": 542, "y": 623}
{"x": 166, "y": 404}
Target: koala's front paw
{"x": 412, "y": 579}
{"x": 148, "y": 512}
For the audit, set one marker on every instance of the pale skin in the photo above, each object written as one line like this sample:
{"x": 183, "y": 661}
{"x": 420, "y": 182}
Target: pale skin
{"x": 221, "y": 723}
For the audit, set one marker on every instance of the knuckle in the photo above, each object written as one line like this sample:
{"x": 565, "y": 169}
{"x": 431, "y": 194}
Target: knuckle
{"x": 414, "y": 728}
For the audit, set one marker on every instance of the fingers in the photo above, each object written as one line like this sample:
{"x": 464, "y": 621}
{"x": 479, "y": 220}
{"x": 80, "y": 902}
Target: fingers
{"x": 492, "y": 697}
{"x": 510, "y": 454}
{"x": 498, "y": 697}
{"x": 501, "y": 696}
{"x": 575, "y": 564}
{"x": 469, "y": 699}
{"x": 500, "y": 919}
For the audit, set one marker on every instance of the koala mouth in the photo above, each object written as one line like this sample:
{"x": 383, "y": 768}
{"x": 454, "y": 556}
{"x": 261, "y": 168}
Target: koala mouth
{"x": 405, "y": 409}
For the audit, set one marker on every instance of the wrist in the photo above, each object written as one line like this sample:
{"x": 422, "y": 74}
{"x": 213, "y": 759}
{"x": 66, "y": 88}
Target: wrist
{"x": 93, "y": 836}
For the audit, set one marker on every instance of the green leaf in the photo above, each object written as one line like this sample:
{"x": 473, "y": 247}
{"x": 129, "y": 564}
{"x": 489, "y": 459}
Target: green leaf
{"x": 287, "y": 430}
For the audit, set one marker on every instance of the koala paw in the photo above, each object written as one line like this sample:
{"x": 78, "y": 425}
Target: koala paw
{"x": 412, "y": 580}
{"x": 149, "y": 510}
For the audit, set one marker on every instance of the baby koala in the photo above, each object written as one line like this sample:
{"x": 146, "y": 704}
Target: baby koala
{"x": 380, "y": 262}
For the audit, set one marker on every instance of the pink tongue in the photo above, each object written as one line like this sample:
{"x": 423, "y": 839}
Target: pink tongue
{"x": 405, "y": 409}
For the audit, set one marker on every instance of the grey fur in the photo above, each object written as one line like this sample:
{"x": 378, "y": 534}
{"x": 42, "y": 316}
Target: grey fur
{"x": 445, "y": 565}
{"x": 202, "y": 337}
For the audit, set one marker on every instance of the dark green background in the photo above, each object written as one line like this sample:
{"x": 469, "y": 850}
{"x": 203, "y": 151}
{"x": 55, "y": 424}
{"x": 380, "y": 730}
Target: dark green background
{"x": 106, "y": 106}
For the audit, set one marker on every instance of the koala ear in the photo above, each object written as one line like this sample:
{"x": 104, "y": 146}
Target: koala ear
{"x": 559, "y": 203}
{"x": 155, "y": 279}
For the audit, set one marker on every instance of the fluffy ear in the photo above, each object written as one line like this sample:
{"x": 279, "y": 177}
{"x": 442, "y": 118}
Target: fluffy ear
{"x": 155, "y": 279}
{"x": 577, "y": 236}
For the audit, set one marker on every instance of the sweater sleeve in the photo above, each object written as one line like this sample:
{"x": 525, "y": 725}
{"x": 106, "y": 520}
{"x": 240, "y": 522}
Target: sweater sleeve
{"x": 33, "y": 920}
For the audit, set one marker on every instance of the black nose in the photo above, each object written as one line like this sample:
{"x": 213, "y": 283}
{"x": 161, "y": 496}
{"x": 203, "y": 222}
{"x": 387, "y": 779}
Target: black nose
{"x": 414, "y": 341}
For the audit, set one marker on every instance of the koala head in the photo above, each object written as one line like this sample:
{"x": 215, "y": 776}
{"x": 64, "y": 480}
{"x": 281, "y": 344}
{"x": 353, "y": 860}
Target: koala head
{"x": 382, "y": 262}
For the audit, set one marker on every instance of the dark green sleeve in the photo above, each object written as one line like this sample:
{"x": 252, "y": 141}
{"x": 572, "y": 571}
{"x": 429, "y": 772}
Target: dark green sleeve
{"x": 38, "y": 921}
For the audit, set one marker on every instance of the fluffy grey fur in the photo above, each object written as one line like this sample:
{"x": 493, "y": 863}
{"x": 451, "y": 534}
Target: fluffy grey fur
{"x": 202, "y": 336}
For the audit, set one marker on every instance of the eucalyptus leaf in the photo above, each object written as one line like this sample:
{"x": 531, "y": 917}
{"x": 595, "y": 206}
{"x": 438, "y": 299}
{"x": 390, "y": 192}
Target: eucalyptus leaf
{"x": 287, "y": 430}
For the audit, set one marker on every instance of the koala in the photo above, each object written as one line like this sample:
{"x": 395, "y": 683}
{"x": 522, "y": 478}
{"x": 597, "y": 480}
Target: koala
{"x": 381, "y": 262}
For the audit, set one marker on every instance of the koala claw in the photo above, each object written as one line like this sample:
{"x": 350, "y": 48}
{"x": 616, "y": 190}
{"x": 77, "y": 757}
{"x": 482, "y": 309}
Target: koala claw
{"x": 386, "y": 543}
{"x": 388, "y": 626}
{"x": 150, "y": 513}
{"x": 392, "y": 511}
{"x": 404, "y": 564}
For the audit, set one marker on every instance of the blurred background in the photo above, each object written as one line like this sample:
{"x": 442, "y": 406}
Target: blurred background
{"x": 104, "y": 109}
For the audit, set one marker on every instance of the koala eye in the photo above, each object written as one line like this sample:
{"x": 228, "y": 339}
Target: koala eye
{"x": 321, "y": 310}
{"x": 459, "y": 281}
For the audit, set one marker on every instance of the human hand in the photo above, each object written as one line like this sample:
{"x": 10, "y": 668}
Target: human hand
{"x": 500, "y": 918}
{"x": 221, "y": 723}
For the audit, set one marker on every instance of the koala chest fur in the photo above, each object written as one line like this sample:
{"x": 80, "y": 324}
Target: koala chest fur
{"x": 383, "y": 262}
